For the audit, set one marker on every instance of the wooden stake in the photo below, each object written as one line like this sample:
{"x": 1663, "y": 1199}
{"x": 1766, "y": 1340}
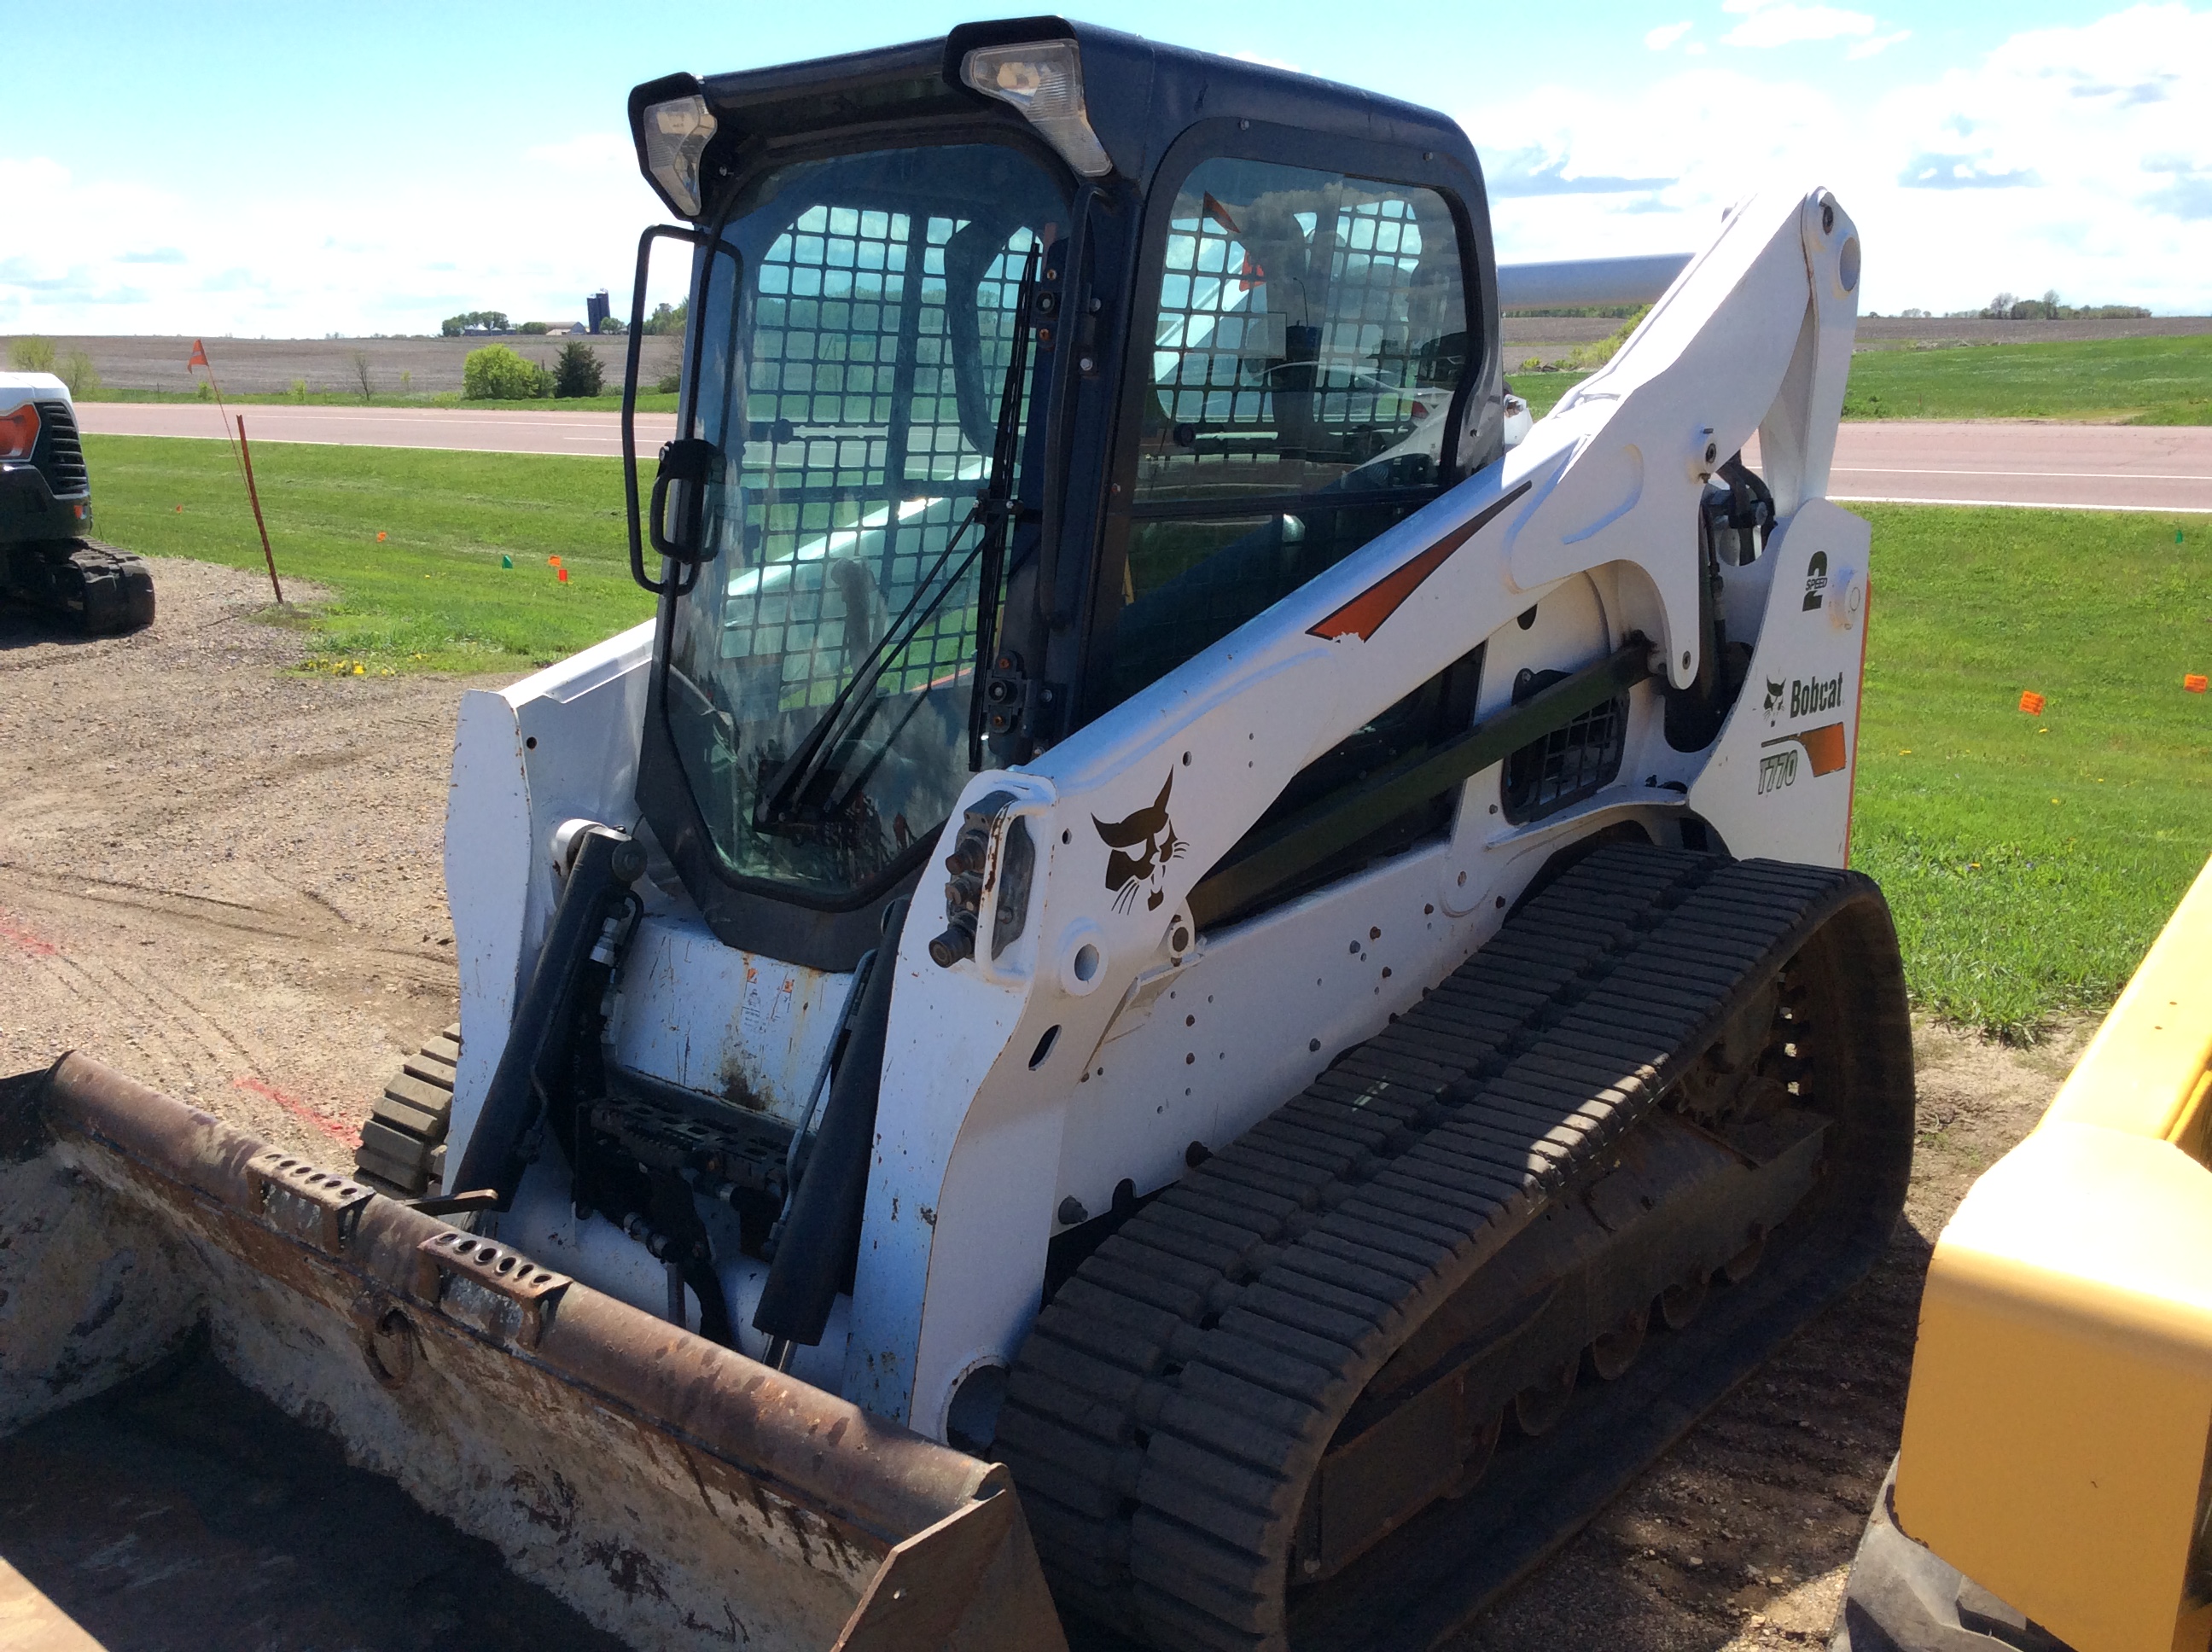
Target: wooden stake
{"x": 245, "y": 458}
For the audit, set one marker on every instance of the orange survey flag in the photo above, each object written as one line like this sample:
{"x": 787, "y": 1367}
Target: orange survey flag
{"x": 199, "y": 356}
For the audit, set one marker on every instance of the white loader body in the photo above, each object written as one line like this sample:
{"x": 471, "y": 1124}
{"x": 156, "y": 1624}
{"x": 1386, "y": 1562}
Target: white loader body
{"x": 1020, "y": 1093}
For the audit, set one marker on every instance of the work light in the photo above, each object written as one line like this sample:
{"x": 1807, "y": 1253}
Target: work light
{"x": 1044, "y": 80}
{"x": 676, "y": 135}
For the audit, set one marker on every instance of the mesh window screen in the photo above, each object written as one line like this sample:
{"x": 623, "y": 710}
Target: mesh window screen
{"x": 1310, "y": 336}
{"x": 1302, "y": 333}
{"x": 859, "y": 331}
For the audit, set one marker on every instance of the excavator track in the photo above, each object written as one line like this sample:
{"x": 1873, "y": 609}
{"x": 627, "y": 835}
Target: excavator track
{"x": 98, "y": 589}
{"x": 1285, "y": 1358}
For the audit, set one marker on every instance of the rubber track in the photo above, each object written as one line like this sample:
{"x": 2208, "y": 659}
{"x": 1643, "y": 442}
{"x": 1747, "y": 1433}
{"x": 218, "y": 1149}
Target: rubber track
{"x": 1170, "y": 1405}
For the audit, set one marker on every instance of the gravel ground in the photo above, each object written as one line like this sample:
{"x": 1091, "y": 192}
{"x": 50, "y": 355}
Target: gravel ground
{"x": 223, "y": 877}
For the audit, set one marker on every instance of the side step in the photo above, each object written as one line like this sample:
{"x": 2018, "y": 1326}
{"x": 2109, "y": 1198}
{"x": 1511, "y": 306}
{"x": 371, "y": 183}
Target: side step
{"x": 402, "y": 1145}
{"x": 1176, "y": 1404}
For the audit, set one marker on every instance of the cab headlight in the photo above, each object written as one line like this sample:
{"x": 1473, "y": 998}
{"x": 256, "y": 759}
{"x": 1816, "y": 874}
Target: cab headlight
{"x": 676, "y": 135}
{"x": 1044, "y": 80}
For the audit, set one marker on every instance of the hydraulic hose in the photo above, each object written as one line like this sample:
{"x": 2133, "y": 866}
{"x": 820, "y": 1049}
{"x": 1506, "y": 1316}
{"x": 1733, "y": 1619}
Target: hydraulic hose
{"x": 823, "y": 1231}
{"x": 606, "y": 864}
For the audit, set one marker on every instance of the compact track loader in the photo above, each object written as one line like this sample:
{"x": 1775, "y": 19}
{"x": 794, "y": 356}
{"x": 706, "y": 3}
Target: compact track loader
{"x": 1188, "y": 964}
{"x": 46, "y": 561}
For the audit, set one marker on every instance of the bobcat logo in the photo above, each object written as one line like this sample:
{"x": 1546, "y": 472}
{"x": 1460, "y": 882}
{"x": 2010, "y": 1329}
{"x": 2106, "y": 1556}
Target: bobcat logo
{"x": 1773, "y": 700}
{"x": 1125, "y": 873}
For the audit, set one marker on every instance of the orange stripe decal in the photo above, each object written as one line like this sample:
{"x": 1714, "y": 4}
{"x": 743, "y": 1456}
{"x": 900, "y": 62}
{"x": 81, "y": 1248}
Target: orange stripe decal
{"x": 1363, "y": 614}
{"x": 1824, "y": 745}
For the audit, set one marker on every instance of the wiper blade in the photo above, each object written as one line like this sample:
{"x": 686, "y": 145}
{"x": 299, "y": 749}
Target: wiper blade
{"x": 998, "y": 504}
{"x": 778, "y": 803}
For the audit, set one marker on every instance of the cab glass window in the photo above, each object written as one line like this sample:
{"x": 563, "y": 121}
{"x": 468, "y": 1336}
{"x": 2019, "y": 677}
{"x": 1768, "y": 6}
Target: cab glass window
{"x": 1308, "y": 335}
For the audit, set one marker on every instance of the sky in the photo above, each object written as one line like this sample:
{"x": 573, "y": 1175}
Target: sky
{"x": 297, "y": 171}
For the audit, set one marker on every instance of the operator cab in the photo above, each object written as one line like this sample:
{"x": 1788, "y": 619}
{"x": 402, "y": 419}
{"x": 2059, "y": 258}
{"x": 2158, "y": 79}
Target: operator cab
{"x": 1022, "y": 366}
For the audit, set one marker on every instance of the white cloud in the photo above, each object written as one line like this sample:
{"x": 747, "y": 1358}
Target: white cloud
{"x": 1878, "y": 43}
{"x": 2076, "y": 158}
{"x": 2070, "y": 158}
{"x": 1666, "y": 35}
{"x": 1783, "y": 22}
{"x": 114, "y": 257}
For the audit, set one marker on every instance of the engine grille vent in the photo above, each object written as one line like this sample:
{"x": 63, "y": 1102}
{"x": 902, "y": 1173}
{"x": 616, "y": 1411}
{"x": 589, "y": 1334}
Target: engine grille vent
{"x": 1568, "y": 764}
{"x": 61, "y": 454}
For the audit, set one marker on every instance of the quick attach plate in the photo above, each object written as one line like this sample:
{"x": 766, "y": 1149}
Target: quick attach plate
{"x": 496, "y": 1291}
{"x": 317, "y": 1206}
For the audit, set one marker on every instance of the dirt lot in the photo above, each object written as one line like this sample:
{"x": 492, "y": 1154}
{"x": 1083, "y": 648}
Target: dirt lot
{"x": 220, "y": 876}
{"x": 224, "y": 877}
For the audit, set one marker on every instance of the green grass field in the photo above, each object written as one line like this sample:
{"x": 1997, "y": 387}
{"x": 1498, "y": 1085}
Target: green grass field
{"x": 2029, "y": 860}
{"x": 2130, "y": 380}
{"x": 432, "y": 595}
{"x": 2098, "y": 380}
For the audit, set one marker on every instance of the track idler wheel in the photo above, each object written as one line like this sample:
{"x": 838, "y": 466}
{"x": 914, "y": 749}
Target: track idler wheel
{"x": 1476, "y": 1450}
{"x": 1745, "y": 1263}
{"x": 1614, "y": 1351}
{"x": 1538, "y": 1407}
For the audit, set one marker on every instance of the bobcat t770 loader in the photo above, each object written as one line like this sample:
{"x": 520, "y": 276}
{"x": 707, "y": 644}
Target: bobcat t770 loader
{"x": 1176, "y": 972}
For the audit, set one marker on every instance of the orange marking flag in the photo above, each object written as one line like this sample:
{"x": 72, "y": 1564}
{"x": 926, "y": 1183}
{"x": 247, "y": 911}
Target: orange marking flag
{"x": 2031, "y": 702}
{"x": 198, "y": 357}
{"x": 2195, "y": 683}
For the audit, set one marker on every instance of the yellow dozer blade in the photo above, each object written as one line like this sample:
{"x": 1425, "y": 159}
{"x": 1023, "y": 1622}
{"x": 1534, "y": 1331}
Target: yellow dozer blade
{"x": 593, "y": 1444}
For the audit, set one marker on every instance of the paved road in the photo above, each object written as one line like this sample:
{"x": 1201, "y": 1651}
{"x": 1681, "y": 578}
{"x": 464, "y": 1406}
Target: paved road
{"x": 2076, "y": 467}
{"x": 2072, "y": 466}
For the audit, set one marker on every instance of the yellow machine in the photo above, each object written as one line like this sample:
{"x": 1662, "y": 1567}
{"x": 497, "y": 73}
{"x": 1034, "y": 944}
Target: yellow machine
{"x": 2057, "y": 1429}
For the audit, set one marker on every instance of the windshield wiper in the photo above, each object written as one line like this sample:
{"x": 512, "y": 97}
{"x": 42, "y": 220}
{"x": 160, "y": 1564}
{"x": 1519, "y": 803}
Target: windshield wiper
{"x": 1000, "y": 510}
{"x": 778, "y": 805}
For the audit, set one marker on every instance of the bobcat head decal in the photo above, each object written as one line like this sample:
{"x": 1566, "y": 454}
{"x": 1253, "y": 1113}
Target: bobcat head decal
{"x": 1150, "y": 830}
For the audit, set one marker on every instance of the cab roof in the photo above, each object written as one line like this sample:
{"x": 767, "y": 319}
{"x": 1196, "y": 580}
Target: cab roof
{"x": 1141, "y": 96}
